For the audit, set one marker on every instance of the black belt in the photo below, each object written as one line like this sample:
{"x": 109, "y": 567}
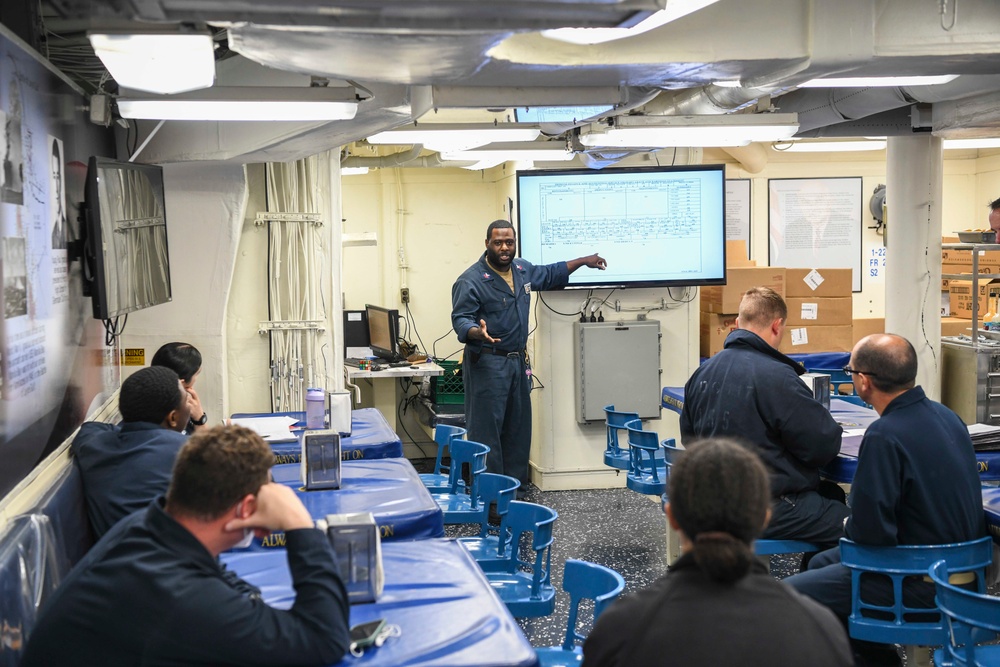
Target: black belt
{"x": 502, "y": 353}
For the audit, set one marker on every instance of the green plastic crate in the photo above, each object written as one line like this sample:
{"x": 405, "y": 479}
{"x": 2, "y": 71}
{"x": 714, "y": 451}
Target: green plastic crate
{"x": 448, "y": 389}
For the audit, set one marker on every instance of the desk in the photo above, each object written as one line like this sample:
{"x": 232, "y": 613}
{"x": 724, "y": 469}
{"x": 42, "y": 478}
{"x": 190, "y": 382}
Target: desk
{"x": 851, "y": 417}
{"x": 434, "y": 592}
{"x": 388, "y": 488}
{"x": 385, "y": 384}
{"x": 371, "y": 437}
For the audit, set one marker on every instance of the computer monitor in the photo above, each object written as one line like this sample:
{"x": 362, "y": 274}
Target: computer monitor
{"x": 383, "y": 332}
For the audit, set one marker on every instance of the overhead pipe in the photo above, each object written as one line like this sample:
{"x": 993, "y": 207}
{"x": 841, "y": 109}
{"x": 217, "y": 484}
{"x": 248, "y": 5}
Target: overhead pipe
{"x": 405, "y": 159}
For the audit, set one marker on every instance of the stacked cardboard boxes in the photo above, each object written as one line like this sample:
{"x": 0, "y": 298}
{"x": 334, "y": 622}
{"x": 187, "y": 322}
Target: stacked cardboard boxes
{"x": 820, "y": 311}
{"x": 960, "y": 297}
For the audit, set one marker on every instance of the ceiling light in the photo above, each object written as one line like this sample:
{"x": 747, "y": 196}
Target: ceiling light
{"x": 568, "y": 114}
{"x": 878, "y": 81}
{"x": 690, "y": 131}
{"x": 950, "y": 144}
{"x": 353, "y": 171}
{"x": 830, "y": 146}
{"x": 542, "y": 151}
{"x": 455, "y": 136}
{"x": 675, "y": 9}
{"x": 243, "y": 103}
{"x": 157, "y": 62}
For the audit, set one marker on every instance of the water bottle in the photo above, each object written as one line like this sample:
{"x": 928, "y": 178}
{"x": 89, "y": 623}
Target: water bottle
{"x": 315, "y": 407}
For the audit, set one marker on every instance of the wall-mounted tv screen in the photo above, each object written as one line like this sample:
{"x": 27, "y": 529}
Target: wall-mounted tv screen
{"x": 126, "y": 237}
{"x": 656, "y": 226}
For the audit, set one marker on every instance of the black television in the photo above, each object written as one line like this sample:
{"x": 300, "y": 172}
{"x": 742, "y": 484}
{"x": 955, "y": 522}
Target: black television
{"x": 656, "y": 226}
{"x": 124, "y": 231}
{"x": 383, "y": 332}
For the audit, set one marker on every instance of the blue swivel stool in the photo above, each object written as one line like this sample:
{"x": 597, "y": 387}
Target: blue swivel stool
{"x": 647, "y": 472}
{"x": 896, "y": 623}
{"x": 443, "y": 435}
{"x": 582, "y": 580}
{"x": 525, "y": 586}
{"x": 486, "y": 547}
{"x": 615, "y": 455}
{"x": 970, "y": 618}
{"x": 461, "y": 503}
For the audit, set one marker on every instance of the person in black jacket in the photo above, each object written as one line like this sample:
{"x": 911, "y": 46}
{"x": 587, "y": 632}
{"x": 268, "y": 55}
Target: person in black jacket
{"x": 752, "y": 392}
{"x": 917, "y": 482}
{"x": 717, "y": 604}
{"x": 151, "y": 592}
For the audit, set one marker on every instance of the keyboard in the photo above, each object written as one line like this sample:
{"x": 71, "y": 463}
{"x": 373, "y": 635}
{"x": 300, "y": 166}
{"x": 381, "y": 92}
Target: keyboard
{"x": 353, "y": 361}
{"x": 399, "y": 364}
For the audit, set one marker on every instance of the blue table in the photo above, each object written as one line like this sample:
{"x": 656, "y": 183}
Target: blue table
{"x": 850, "y": 417}
{"x": 371, "y": 437}
{"x": 991, "y": 503}
{"x": 436, "y": 594}
{"x": 388, "y": 488}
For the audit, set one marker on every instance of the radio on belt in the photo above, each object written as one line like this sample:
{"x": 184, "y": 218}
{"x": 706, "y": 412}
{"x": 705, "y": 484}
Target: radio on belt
{"x": 320, "y": 459}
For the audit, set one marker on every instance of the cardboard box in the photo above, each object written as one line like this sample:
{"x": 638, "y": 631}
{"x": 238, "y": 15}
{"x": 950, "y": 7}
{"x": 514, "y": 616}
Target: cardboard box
{"x": 809, "y": 311}
{"x": 960, "y": 297}
{"x": 726, "y": 298}
{"x": 961, "y": 268}
{"x": 802, "y": 282}
{"x": 714, "y": 329}
{"x": 817, "y": 339}
{"x": 990, "y": 258}
{"x": 736, "y": 254}
{"x": 866, "y": 326}
{"x": 955, "y": 326}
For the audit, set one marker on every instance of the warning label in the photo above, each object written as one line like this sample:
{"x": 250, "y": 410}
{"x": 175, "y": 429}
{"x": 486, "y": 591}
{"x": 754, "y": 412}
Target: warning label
{"x": 134, "y": 356}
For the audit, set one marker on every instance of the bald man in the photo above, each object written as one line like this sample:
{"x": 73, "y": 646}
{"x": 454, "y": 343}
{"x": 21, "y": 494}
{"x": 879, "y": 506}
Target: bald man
{"x": 916, "y": 483}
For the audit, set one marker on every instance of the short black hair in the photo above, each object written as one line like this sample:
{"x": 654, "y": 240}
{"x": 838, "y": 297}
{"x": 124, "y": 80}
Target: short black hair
{"x": 892, "y": 367}
{"x": 215, "y": 468}
{"x": 498, "y": 224}
{"x": 150, "y": 394}
{"x": 995, "y": 204}
{"x": 183, "y": 358}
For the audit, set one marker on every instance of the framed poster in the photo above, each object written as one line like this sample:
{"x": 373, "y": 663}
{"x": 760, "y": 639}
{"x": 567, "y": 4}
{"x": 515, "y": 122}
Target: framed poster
{"x": 738, "y": 210}
{"x": 815, "y": 223}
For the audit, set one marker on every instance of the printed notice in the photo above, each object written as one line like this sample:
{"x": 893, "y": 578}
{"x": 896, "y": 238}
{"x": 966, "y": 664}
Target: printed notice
{"x": 810, "y": 311}
{"x": 814, "y": 279}
{"x": 800, "y": 336}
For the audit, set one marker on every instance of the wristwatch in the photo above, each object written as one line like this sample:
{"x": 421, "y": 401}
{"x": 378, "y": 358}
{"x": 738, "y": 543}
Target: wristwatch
{"x": 202, "y": 421}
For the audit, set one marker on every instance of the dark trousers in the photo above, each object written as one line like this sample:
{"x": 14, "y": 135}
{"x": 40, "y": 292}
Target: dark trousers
{"x": 807, "y": 516}
{"x": 498, "y": 411}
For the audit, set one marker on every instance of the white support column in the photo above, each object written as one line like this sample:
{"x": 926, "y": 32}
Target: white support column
{"x": 914, "y": 177}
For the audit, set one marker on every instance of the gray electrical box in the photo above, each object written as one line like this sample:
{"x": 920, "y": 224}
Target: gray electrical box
{"x": 617, "y": 363}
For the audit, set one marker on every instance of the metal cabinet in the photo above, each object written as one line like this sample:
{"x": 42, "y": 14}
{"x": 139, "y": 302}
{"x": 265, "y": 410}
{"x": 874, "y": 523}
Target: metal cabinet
{"x": 617, "y": 363}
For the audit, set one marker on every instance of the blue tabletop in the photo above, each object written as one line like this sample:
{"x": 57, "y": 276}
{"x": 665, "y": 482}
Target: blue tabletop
{"x": 991, "y": 503}
{"x": 388, "y": 488}
{"x": 435, "y": 593}
{"x": 371, "y": 437}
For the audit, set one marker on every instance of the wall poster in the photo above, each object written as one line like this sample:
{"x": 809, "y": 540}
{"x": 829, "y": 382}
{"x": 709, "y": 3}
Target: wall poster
{"x": 815, "y": 223}
{"x": 738, "y": 210}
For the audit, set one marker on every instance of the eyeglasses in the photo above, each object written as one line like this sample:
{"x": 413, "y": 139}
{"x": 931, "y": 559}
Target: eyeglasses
{"x": 850, "y": 371}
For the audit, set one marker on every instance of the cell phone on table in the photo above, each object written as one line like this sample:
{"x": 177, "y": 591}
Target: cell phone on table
{"x": 365, "y": 634}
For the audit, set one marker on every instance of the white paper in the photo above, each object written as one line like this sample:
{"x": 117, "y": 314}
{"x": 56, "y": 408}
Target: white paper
{"x": 980, "y": 429}
{"x": 800, "y": 336}
{"x": 354, "y": 316}
{"x": 810, "y": 311}
{"x": 848, "y": 432}
{"x": 269, "y": 428}
{"x": 738, "y": 211}
{"x": 813, "y": 279}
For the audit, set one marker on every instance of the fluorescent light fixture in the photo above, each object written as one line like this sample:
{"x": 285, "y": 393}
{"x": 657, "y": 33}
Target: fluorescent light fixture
{"x": 831, "y": 146}
{"x": 690, "y": 131}
{"x": 455, "y": 136}
{"x": 243, "y": 103}
{"x": 542, "y": 151}
{"x": 157, "y": 62}
{"x": 950, "y": 144}
{"x": 353, "y": 171}
{"x": 674, "y": 10}
{"x": 567, "y": 114}
{"x": 878, "y": 81}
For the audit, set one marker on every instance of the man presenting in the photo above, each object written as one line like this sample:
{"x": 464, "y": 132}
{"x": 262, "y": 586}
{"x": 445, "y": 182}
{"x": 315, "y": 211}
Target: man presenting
{"x": 125, "y": 467}
{"x": 490, "y": 305}
{"x": 151, "y": 592}
{"x": 917, "y": 482}
{"x": 752, "y": 392}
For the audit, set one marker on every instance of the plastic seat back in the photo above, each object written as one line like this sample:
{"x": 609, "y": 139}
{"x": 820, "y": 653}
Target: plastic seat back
{"x": 969, "y": 618}
{"x": 499, "y": 489}
{"x": 473, "y": 454}
{"x": 647, "y": 472}
{"x": 588, "y": 581}
{"x": 898, "y": 563}
{"x": 443, "y": 435}
{"x": 615, "y": 420}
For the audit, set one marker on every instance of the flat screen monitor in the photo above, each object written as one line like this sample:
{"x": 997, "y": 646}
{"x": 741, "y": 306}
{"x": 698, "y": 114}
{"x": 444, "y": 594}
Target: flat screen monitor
{"x": 383, "y": 332}
{"x": 125, "y": 244}
{"x": 655, "y": 226}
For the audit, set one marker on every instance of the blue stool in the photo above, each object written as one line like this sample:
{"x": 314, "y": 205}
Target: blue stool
{"x": 970, "y": 618}
{"x": 615, "y": 420}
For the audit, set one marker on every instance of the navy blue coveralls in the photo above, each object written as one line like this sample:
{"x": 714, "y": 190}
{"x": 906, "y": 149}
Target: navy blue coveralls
{"x": 497, "y": 377}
